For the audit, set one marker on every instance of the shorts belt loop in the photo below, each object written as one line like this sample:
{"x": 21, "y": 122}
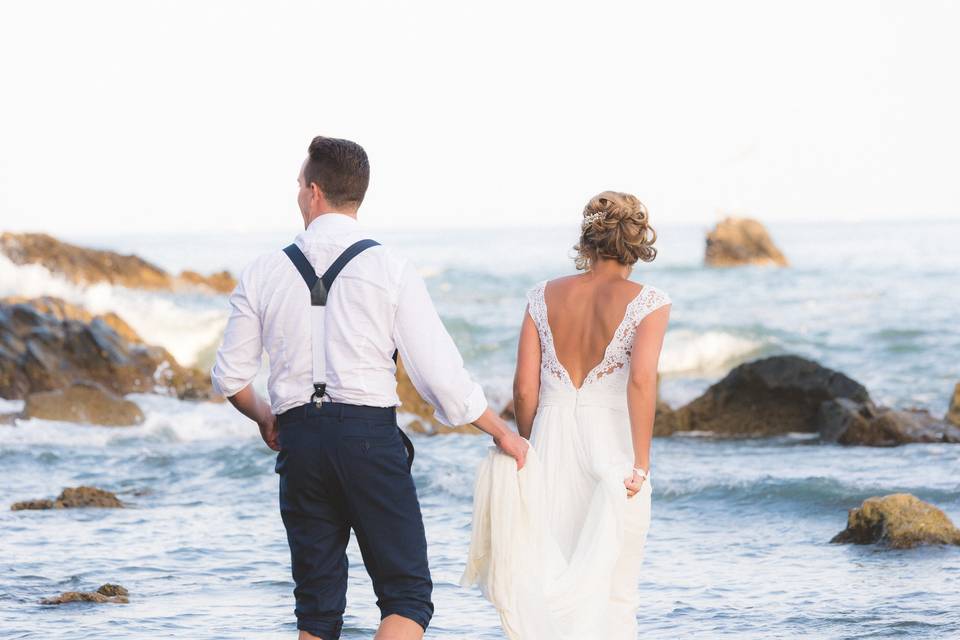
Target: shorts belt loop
{"x": 340, "y": 417}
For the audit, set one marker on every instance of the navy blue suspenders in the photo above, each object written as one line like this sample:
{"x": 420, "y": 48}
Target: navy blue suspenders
{"x": 319, "y": 289}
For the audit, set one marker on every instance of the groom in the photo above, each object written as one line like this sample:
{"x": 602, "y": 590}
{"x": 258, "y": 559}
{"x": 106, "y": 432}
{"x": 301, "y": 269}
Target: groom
{"x": 332, "y": 343}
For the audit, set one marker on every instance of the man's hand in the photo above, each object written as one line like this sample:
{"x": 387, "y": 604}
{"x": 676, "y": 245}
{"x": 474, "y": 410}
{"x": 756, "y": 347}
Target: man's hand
{"x": 515, "y": 447}
{"x": 254, "y": 407}
{"x": 269, "y": 431}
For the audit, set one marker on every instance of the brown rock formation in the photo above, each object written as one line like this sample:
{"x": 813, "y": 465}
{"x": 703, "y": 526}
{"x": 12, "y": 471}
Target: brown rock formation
{"x": 221, "y": 282}
{"x": 112, "y": 593}
{"x": 89, "y": 266}
{"x": 898, "y": 521}
{"x": 63, "y": 310}
{"x": 83, "y": 402}
{"x": 81, "y": 265}
{"x": 770, "y": 396}
{"x": 784, "y": 394}
{"x": 412, "y": 402}
{"x": 953, "y": 413}
{"x": 850, "y": 423}
{"x": 509, "y": 413}
{"x": 71, "y": 498}
{"x": 44, "y": 352}
{"x": 736, "y": 241}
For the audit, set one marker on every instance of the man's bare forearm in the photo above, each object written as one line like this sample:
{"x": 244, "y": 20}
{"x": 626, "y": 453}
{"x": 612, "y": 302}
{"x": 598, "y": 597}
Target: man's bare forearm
{"x": 492, "y": 424}
{"x": 250, "y": 404}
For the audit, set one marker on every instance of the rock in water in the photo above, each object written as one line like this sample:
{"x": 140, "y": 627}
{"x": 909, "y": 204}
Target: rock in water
{"x": 90, "y": 266}
{"x": 736, "y": 241}
{"x": 53, "y": 348}
{"x": 83, "y": 402}
{"x": 113, "y": 593}
{"x": 412, "y": 402}
{"x": 898, "y": 521}
{"x": 71, "y": 498}
{"x": 221, "y": 282}
{"x": 953, "y": 414}
{"x": 81, "y": 265}
{"x": 775, "y": 395}
{"x": 63, "y": 310}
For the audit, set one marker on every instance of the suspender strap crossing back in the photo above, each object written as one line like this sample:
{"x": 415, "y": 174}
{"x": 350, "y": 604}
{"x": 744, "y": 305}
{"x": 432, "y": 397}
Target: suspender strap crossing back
{"x": 319, "y": 289}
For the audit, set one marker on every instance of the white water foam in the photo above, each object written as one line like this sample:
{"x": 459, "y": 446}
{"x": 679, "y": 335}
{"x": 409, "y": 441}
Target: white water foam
{"x": 167, "y": 420}
{"x": 186, "y": 324}
{"x": 708, "y": 353}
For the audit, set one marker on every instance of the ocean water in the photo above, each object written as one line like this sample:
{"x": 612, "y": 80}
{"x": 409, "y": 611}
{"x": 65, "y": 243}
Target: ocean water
{"x": 738, "y": 545}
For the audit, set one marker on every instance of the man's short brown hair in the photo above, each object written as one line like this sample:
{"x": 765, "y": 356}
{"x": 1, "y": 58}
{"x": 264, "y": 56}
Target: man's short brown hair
{"x": 340, "y": 168}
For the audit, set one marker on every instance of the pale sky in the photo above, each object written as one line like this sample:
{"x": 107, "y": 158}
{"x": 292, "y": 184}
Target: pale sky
{"x": 192, "y": 116}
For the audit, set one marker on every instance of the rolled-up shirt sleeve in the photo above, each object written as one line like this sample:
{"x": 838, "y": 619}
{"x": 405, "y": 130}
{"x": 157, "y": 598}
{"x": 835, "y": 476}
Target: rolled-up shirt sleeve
{"x": 431, "y": 358}
{"x": 238, "y": 358}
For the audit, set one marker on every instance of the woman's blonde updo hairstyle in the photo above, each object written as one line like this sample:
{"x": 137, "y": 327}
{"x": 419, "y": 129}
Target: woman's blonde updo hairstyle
{"x": 615, "y": 225}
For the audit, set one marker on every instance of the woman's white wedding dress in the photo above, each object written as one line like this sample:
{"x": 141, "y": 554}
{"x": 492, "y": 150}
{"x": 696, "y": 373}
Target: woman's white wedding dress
{"x": 557, "y": 547}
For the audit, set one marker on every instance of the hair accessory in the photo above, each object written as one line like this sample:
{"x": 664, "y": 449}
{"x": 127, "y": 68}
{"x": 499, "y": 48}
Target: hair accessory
{"x": 593, "y": 217}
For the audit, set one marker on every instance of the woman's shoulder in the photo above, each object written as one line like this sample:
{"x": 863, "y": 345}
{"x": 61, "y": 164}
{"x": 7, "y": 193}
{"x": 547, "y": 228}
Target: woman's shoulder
{"x": 652, "y": 297}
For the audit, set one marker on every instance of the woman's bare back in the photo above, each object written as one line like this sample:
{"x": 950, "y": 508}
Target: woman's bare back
{"x": 583, "y": 312}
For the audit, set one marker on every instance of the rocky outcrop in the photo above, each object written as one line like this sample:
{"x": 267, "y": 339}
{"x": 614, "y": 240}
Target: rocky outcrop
{"x": 83, "y": 402}
{"x": 775, "y": 395}
{"x": 73, "y": 497}
{"x": 220, "y": 282}
{"x": 847, "y": 422}
{"x": 107, "y": 593}
{"x": 63, "y": 310}
{"x": 412, "y": 402}
{"x": 898, "y": 521}
{"x": 50, "y": 351}
{"x": 85, "y": 266}
{"x": 953, "y": 413}
{"x": 737, "y": 241}
{"x": 784, "y": 394}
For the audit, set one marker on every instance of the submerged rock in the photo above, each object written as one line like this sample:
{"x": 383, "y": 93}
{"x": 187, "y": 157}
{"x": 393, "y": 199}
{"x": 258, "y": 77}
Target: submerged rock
{"x": 91, "y": 266}
{"x": 73, "y": 497}
{"x": 412, "y": 402}
{"x": 850, "y": 423}
{"x": 48, "y": 344}
{"x": 112, "y": 593}
{"x": 953, "y": 413}
{"x": 509, "y": 413}
{"x": 898, "y": 521}
{"x": 83, "y": 402}
{"x": 736, "y": 241}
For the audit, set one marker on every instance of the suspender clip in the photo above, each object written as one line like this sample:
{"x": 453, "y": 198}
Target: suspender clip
{"x": 319, "y": 390}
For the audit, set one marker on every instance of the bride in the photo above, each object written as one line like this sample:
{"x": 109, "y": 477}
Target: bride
{"x": 557, "y": 546}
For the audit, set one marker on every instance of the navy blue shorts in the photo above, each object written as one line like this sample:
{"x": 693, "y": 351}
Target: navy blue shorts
{"x": 341, "y": 467}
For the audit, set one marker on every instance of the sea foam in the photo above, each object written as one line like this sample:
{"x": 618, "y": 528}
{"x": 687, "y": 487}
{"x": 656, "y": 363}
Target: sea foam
{"x": 186, "y": 323}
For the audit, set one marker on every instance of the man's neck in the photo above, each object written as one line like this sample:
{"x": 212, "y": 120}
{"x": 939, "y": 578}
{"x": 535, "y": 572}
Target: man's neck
{"x": 349, "y": 214}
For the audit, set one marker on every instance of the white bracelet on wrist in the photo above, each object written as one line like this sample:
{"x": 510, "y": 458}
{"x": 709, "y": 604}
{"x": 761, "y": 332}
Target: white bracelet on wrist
{"x": 641, "y": 472}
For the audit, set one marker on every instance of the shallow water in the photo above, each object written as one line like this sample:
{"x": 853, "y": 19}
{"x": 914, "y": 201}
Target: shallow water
{"x": 738, "y": 545}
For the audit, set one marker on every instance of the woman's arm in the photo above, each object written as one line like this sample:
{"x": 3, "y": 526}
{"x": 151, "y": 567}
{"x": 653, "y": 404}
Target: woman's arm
{"x": 642, "y": 387}
{"x": 526, "y": 380}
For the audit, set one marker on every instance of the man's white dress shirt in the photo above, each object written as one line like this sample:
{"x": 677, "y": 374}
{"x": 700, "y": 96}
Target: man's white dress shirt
{"x": 377, "y": 304}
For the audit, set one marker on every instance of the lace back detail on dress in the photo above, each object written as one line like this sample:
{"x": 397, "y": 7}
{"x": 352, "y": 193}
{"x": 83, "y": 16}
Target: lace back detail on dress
{"x": 617, "y": 356}
{"x": 549, "y": 363}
